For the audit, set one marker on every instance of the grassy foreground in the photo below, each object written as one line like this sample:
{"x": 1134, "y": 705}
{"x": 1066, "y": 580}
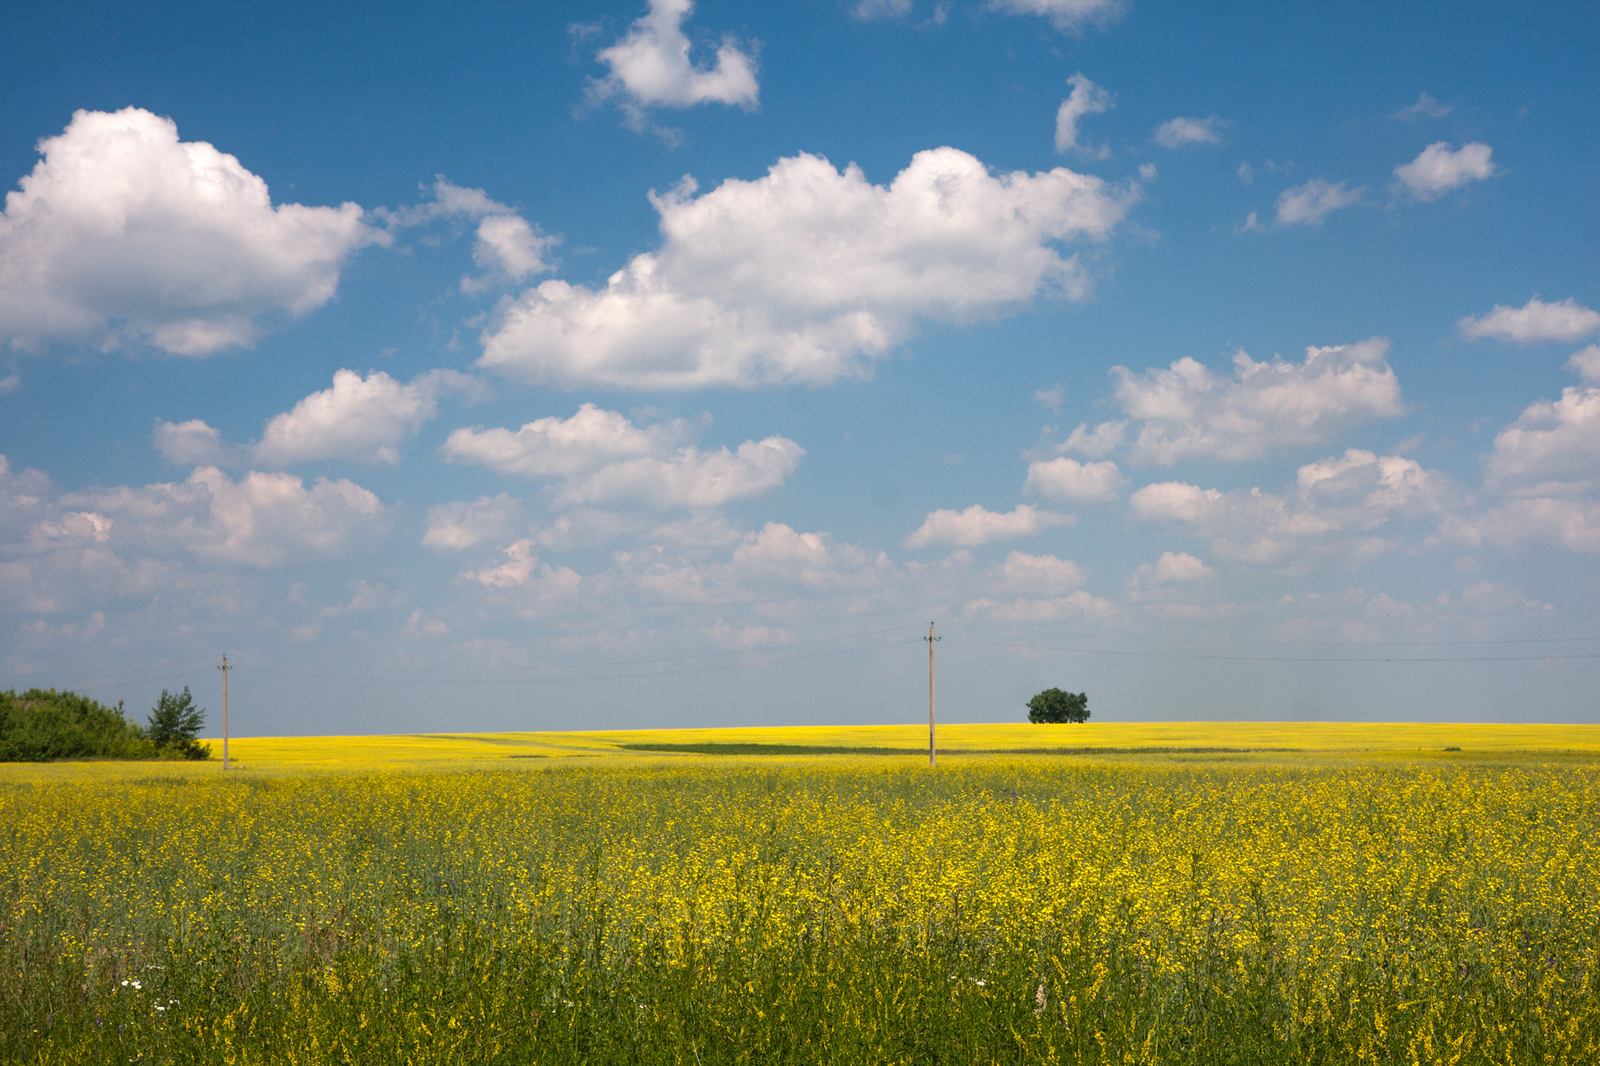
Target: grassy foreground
{"x": 431, "y": 902}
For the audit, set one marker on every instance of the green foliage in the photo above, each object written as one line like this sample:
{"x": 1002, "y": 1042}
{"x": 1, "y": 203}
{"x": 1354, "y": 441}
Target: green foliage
{"x": 1053, "y": 705}
{"x": 42, "y": 724}
{"x": 175, "y": 724}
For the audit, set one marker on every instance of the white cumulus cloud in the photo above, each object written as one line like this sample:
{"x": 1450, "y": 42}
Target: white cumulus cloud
{"x": 1535, "y": 322}
{"x": 1586, "y": 363}
{"x": 1336, "y": 511}
{"x": 651, "y": 67}
{"x": 1551, "y": 449}
{"x": 808, "y": 274}
{"x": 1174, "y": 567}
{"x": 602, "y": 457}
{"x": 262, "y": 520}
{"x": 1438, "y": 169}
{"x": 1041, "y": 575}
{"x": 1187, "y": 411}
{"x": 1187, "y": 132}
{"x": 689, "y": 477}
{"x": 124, "y": 235}
{"x": 1086, "y": 98}
{"x": 508, "y": 247}
{"x": 360, "y": 418}
{"x": 1310, "y": 203}
{"x": 977, "y": 525}
{"x": 1068, "y": 479}
{"x": 462, "y": 524}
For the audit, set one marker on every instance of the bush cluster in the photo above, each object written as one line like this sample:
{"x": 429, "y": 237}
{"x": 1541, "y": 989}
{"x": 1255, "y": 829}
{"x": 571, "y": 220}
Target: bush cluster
{"x": 42, "y": 725}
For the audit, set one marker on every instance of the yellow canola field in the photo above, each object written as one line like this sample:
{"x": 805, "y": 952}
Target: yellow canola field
{"x": 466, "y": 750}
{"x": 812, "y": 910}
{"x": 418, "y": 750}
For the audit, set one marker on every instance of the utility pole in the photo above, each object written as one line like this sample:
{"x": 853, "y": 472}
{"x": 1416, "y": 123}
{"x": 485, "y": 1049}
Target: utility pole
{"x": 224, "y": 668}
{"x": 932, "y": 747}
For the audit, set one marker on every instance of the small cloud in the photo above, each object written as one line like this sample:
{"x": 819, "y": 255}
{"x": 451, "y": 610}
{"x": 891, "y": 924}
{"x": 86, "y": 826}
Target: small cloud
{"x": 1425, "y": 107}
{"x": 1053, "y": 397}
{"x": 1171, "y": 569}
{"x": 1068, "y": 16}
{"x": 1438, "y": 169}
{"x": 1535, "y": 322}
{"x": 1147, "y": 172}
{"x": 977, "y": 525}
{"x": 1188, "y": 132}
{"x": 1309, "y": 204}
{"x": 871, "y": 10}
{"x": 1247, "y": 173}
{"x": 1086, "y": 98}
{"x": 1587, "y": 364}
{"x": 651, "y": 67}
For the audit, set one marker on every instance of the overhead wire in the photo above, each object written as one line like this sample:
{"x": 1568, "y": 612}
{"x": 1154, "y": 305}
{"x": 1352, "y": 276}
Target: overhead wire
{"x": 1279, "y": 658}
{"x": 1292, "y": 643}
{"x": 548, "y": 680}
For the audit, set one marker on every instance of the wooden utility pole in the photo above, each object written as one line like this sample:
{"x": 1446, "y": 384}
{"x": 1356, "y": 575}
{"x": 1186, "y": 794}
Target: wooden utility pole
{"x": 224, "y": 668}
{"x": 932, "y": 746}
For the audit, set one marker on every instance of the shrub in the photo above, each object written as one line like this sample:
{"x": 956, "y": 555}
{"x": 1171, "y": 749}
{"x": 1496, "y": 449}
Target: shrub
{"x": 43, "y": 724}
{"x": 1053, "y": 705}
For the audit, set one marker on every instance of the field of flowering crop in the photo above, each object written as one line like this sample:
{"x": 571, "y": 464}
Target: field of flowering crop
{"x": 1166, "y": 908}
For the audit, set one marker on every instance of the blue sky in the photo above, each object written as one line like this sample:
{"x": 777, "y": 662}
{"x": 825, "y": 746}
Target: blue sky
{"x": 608, "y": 365}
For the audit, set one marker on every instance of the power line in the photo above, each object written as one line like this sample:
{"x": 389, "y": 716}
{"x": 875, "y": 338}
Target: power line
{"x": 603, "y": 663}
{"x": 707, "y": 668}
{"x": 1283, "y": 658}
{"x": 1294, "y": 643}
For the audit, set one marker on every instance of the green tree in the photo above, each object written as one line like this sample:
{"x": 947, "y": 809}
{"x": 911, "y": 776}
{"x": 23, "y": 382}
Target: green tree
{"x": 1053, "y": 705}
{"x": 175, "y": 724}
{"x": 43, "y": 724}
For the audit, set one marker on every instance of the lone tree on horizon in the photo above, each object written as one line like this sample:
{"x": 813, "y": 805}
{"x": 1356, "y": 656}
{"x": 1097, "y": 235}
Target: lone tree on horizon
{"x": 174, "y": 726}
{"x": 1053, "y": 705}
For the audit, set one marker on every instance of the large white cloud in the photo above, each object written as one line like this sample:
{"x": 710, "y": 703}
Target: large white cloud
{"x": 1068, "y": 16}
{"x": 1535, "y": 322}
{"x": 651, "y": 67}
{"x": 361, "y": 418}
{"x": 1188, "y": 412}
{"x": 1308, "y": 204}
{"x": 1438, "y": 169}
{"x": 1086, "y": 98}
{"x": 978, "y": 525}
{"x": 133, "y": 538}
{"x": 1335, "y": 512}
{"x": 124, "y": 235}
{"x": 602, "y": 457}
{"x": 808, "y": 274}
{"x": 1551, "y": 449}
